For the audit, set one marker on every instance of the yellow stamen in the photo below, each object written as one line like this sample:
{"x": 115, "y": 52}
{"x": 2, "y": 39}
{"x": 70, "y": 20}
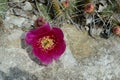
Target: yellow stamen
{"x": 47, "y": 42}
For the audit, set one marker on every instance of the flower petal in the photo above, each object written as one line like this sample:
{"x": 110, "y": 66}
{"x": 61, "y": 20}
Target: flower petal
{"x": 29, "y": 37}
{"x": 33, "y": 33}
{"x": 43, "y": 29}
{"x": 43, "y": 57}
{"x": 59, "y": 50}
{"x": 58, "y": 33}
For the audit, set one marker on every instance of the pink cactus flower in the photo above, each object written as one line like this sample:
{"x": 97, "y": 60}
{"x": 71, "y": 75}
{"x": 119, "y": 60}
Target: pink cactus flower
{"x": 47, "y": 42}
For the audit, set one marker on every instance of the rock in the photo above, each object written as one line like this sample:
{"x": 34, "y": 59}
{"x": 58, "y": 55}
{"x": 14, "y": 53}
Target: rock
{"x": 27, "y": 6}
{"x": 29, "y": 22}
{"x": 16, "y": 4}
{"x": 84, "y": 59}
{"x": 19, "y": 12}
{"x": 18, "y": 21}
{"x": 12, "y": 64}
{"x": 16, "y": 62}
{"x": 42, "y": 1}
{"x": 9, "y": 12}
{"x": 35, "y": 12}
{"x": 68, "y": 59}
{"x": 27, "y": 25}
{"x": 34, "y": 17}
{"x": 103, "y": 6}
{"x": 2, "y": 75}
{"x": 13, "y": 40}
{"x": 88, "y": 20}
{"x": 79, "y": 42}
{"x": 14, "y": 1}
{"x": 22, "y": 0}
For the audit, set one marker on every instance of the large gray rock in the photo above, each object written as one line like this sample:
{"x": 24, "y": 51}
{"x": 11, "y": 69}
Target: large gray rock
{"x": 84, "y": 59}
{"x": 94, "y": 60}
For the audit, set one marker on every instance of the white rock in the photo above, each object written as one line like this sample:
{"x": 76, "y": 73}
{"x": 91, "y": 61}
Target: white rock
{"x": 88, "y": 20}
{"x": 28, "y": 22}
{"x": 14, "y": 39}
{"x": 34, "y": 17}
{"x": 19, "y": 12}
{"x": 22, "y": 0}
{"x": 14, "y": 0}
{"x": 18, "y": 21}
{"x": 68, "y": 59}
{"x": 27, "y": 6}
{"x": 101, "y": 8}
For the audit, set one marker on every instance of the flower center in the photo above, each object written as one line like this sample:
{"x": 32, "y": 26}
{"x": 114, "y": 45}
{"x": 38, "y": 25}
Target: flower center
{"x": 47, "y": 42}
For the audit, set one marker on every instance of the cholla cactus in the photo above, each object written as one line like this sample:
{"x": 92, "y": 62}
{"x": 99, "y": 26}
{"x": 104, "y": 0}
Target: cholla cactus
{"x": 100, "y": 18}
{"x": 87, "y": 15}
{"x": 90, "y": 14}
{"x": 59, "y": 11}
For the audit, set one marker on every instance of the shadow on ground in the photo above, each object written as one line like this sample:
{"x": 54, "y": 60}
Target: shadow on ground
{"x": 28, "y": 48}
{"x": 16, "y": 74}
